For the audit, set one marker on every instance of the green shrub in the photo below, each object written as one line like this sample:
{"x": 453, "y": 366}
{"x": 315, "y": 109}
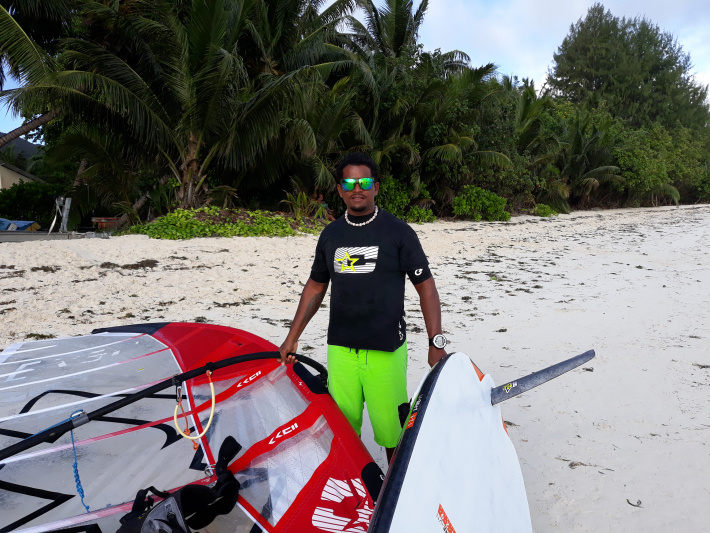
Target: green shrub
{"x": 542, "y": 210}
{"x": 393, "y": 196}
{"x": 30, "y": 200}
{"x": 479, "y": 204}
{"x": 303, "y": 206}
{"x": 419, "y": 215}
{"x": 212, "y": 221}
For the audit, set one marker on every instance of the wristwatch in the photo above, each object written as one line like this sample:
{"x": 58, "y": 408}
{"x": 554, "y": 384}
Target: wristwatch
{"x": 438, "y": 341}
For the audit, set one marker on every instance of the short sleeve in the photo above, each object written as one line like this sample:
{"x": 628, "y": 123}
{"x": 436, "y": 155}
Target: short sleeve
{"x": 411, "y": 254}
{"x": 319, "y": 270}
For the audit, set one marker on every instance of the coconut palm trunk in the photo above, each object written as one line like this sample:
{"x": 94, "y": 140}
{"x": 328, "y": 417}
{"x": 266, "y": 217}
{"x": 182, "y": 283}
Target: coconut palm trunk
{"x": 192, "y": 187}
{"x": 125, "y": 219}
{"x": 26, "y": 128}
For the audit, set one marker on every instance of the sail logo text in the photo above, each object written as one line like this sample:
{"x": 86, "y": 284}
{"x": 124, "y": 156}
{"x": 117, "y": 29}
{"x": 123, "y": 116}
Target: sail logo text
{"x": 338, "y": 512}
{"x": 249, "y": 379}
{"x": 283, "y": 433}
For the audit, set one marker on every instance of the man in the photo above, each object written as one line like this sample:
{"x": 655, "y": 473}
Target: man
{"x": 366, "y": 253}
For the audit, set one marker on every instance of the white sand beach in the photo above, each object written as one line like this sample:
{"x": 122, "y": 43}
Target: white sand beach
{"x": 619, "y": 445}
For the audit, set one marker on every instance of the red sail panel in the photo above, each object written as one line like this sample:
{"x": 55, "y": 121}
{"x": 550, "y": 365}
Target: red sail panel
{"x": 301, "y": 467}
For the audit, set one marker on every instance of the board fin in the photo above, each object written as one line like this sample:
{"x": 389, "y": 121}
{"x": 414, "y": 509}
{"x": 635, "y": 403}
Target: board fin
{"x": 524, "y": 384}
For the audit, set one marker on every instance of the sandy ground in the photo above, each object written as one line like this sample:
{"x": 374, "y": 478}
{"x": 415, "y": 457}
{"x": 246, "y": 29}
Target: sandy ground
{"x": 634, "y": 285}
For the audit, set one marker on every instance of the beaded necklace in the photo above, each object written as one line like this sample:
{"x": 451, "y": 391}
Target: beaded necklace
{"x": 360, "y": 224}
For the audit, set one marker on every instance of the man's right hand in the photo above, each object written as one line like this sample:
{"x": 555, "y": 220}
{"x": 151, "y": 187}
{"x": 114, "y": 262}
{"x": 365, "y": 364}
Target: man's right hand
{"x": 288, "y": 347}
{"x": 311, "y": 298}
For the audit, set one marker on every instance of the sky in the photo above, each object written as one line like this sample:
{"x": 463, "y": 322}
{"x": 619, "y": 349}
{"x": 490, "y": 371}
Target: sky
{"x": 520, "y": 36}
{"x": 7, "y": 121}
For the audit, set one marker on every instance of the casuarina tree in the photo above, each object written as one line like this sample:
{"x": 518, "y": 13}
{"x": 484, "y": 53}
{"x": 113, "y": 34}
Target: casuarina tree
{"x": 641, "y": 71}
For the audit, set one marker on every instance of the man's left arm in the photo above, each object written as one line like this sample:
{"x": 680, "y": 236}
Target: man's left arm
{"x": 431, "y": 309}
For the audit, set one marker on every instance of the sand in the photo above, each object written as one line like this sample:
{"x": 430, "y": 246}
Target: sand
{"x": 631, "y": 426}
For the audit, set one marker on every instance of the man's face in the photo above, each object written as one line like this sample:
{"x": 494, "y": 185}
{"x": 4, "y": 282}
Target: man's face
{"x": 358, "y": 202}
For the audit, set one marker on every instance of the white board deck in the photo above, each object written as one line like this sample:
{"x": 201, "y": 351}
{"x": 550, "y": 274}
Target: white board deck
{"x": 455, "y": 469}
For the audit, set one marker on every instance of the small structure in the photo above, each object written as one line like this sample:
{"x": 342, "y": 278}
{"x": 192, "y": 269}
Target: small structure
{"x": 10, "y": 175}
{"x": 104, "y": 223}
{"x": 18, "y": 225}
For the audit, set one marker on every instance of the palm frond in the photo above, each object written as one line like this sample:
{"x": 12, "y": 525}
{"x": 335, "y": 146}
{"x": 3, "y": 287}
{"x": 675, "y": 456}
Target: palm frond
{"x": 665, "y": 190}
{"x": 27, "y": 61}
{"x": 450, "y": 153}
{"x": 601, "y": 173}
{"x": 492, "y": 158}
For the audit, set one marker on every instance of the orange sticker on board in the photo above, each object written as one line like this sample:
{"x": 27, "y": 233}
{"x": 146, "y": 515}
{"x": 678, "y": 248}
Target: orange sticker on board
{"x": 444, "y": 521}
{"x": 411, "y": 420}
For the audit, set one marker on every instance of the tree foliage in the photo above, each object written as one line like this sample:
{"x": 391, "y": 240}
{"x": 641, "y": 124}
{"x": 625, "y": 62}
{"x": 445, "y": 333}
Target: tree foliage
{"x": 163, "y": 105}
{"x": 29, "y": 200}
{"x": 641, "y": 71}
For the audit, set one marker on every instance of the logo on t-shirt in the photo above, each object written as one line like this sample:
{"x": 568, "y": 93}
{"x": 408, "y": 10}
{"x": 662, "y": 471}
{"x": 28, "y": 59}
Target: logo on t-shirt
{"x": 360, "y": 260}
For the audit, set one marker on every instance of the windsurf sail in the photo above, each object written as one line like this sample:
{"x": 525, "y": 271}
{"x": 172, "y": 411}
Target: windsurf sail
{"x": 301, "y": 467}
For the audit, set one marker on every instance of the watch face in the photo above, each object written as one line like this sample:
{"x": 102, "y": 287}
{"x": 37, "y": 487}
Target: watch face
{"x": 439, "y": 341}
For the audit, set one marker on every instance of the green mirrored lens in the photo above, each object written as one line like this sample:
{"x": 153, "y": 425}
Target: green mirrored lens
{"x": 348, "y": 184}
{"x": 366, "y": 183}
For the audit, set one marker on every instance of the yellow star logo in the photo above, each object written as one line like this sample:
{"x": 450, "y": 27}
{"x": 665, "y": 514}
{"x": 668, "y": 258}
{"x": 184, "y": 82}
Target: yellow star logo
{"x": 347, "y": 262}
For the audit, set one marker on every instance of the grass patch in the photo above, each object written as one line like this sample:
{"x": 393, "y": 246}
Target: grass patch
{"x": 39, "y": 336}
{"x": 215, "y": 222}
{"x": 543, "y": 210}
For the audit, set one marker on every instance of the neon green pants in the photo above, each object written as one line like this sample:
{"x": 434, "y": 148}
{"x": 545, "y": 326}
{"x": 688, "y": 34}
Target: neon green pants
{"x": 373, "y": 377}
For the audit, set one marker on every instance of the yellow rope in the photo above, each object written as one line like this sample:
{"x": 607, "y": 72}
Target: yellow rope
{"x": 209, "y": 422}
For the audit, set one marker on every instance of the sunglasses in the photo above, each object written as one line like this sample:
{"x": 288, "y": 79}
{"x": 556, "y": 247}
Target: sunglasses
{"x": 349, "y": 183}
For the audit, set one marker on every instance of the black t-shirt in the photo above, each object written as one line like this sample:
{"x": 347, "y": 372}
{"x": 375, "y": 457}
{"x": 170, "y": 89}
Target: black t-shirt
{"x": 367, "y": 266}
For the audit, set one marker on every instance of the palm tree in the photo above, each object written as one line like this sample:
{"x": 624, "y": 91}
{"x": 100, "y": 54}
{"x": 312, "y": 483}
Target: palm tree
{"x": 297, "y": 35}
{"x": 336, "y": 127}
{"x": 447, "y": 115}
{"x": 537, "y": 146}
{"x": 392, "y": 30}
{"x": 413, "y": 94}
{"x": 28, "y": 28}
{"x": 585, "y": 156}
{"x": 172, "y": 77}
{"x": 287, "y": 35}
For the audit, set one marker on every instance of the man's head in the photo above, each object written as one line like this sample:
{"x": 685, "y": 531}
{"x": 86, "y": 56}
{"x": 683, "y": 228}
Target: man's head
{"x": 358, "y": 184}
{"x": 356, "y": 159}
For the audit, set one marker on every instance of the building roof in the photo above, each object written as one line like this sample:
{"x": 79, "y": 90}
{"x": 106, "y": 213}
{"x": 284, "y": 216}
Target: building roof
{"x": 21, "y": 172}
